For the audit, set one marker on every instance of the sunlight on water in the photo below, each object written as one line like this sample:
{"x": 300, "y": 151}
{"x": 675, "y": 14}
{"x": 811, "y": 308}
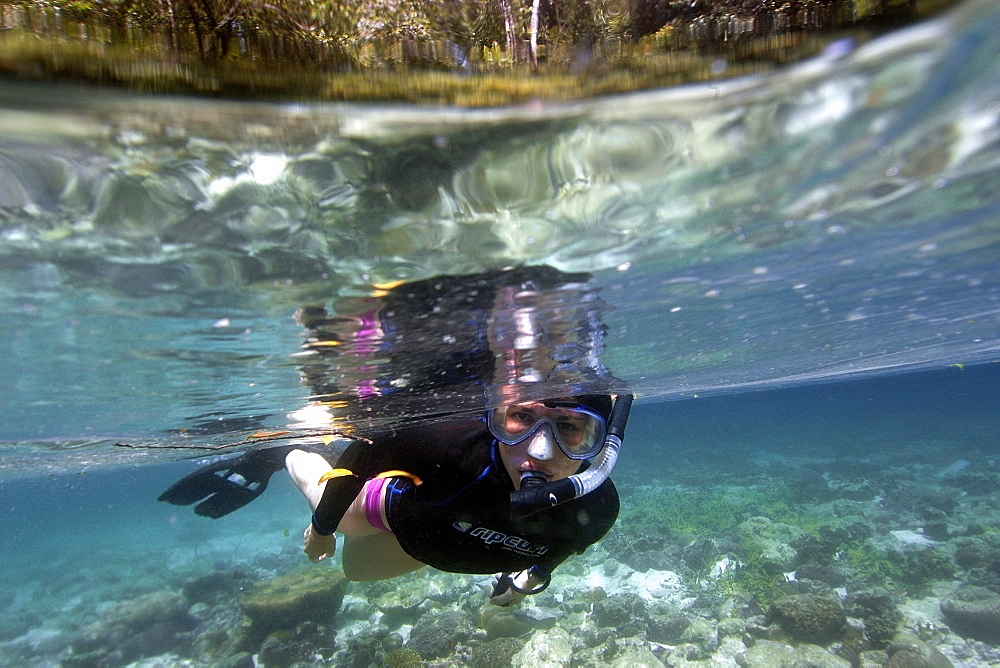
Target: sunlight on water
{"x": 836, "y": 218}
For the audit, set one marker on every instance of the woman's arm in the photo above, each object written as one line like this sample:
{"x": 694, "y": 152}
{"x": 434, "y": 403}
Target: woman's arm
{"x": 329, "y": 499}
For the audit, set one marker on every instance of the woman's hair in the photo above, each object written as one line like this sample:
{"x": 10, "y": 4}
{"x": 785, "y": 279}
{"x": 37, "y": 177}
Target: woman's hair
{"x": 601, "y": 403}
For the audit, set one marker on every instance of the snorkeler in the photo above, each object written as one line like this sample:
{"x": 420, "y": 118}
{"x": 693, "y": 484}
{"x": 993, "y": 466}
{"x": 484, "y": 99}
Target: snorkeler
{"x": 511, "y": 492}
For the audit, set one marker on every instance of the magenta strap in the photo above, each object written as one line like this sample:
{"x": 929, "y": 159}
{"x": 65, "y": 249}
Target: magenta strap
{"x": 373, "y": 509}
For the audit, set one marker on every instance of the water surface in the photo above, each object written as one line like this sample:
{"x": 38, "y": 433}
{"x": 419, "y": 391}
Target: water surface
{"x": 836, "y": 219}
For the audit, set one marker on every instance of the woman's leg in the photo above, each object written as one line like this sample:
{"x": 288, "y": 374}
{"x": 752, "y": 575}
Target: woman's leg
{"x": 306, "y": 468}
{"x": 355, "y": 521}
{"x": 376, "y": 556}
{"x": 370, "y": 552}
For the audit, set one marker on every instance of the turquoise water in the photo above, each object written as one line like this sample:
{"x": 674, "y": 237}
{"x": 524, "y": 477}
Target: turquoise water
{"x": 885, "y": 450}
{"x": 750, "y": 242}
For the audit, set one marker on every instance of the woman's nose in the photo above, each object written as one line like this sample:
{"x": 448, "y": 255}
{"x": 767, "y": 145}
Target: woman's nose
{"x": 541, "y": 445}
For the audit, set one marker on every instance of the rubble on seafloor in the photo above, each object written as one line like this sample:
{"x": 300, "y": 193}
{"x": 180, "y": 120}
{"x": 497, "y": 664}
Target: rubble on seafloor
{"x": 891, "y": 570}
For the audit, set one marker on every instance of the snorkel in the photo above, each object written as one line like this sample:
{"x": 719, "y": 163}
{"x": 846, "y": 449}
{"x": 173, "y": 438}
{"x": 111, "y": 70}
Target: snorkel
{"x": 536, "y": 494}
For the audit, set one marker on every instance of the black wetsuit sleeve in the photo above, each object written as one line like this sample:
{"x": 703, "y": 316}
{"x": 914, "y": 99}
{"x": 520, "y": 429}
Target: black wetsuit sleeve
{"x": 365, "y": 459}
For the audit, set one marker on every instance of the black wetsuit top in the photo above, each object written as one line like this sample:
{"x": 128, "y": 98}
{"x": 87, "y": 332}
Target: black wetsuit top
{"x": 458, "y": 519}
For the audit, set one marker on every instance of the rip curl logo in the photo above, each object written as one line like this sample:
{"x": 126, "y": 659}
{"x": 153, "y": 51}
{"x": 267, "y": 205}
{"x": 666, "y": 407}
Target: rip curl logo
{"x": 513, "y": 543}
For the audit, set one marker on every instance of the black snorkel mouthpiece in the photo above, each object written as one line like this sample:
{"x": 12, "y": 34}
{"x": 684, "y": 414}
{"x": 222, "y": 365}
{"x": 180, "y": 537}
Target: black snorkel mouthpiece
{"x": 532, "y": 479}
{"x": 536, "y": 495}
{"x": 532, "y": 496}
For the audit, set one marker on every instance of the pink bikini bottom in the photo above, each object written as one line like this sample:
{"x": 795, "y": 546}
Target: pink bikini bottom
{"x": 373, "y": 503}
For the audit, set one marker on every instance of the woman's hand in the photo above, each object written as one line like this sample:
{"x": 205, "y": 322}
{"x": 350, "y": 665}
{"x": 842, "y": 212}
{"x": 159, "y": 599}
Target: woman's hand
{"x": 316, "y": 546}
{"x": 504, "y": 595}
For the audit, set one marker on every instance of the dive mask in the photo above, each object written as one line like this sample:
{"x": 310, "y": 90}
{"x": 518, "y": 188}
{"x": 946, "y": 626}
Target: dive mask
{"x": 578, "y": 430}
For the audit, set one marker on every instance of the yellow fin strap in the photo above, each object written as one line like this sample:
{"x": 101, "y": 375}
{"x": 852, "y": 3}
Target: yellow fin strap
{"x": 399, "y": 474}
{"x": 333, "y": 473}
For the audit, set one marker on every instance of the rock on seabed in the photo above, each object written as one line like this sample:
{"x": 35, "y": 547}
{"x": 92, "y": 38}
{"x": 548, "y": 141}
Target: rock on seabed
{"x": 310, "y": 594}
{"x": 973, "y": 612}
{"x": 545, "y": 649}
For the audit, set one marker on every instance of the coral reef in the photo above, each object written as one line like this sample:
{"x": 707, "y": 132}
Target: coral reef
{"x": 770, "y": 654}
{"x": 507, "y": 625}
{"x": 879, "y": 613}
{"x": 281, "y": 603}
{"x": 286, "y": 648}
{"x": 495, "y": 653}
{"x": 553, "y": 647}
{"x": 974, "y": 612}
{"x": 402, "y": 657}
{"x": 666, "y": 624}
{"x": 757, "y": 569}
{"x": 437, "y": 633}
{"x": 808, "y": 618}
{"x": 625, "y": 612}
{"x": 148, "y": 625}
{"x": 909, "y": 652}
{"x": 769, "y": 544}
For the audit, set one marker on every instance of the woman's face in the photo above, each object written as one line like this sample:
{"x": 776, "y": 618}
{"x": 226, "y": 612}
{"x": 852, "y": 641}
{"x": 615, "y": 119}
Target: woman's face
{"x": 539, "y": 453}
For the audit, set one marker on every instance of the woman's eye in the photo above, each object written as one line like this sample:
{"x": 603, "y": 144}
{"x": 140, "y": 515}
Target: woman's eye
{"x": 567, "y": 427}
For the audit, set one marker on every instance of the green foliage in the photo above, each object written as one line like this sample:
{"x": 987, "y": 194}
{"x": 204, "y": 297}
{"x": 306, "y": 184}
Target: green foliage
{"x": 700, "y": 511}
{"x": 909, "y": 570}
{"x": 752, "y": 547}
{"x": 685, "y": 511}
{"x": 750, "y": 579}
{"x": 614, "y": 46}
{"x": 870, "y": 563}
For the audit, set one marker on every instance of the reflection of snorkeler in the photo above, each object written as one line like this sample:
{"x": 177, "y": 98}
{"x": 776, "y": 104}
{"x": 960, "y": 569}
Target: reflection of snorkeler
{"x": 510, "y": 491}
{"x": 411, "y": 349}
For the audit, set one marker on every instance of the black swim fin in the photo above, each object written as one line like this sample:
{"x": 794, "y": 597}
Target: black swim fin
{"x": 227, "y": 485}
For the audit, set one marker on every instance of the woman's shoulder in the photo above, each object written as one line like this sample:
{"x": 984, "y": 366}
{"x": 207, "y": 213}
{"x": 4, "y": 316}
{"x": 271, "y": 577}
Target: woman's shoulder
{"x": 441, "y": 433}
{"x": 427, "y": 448}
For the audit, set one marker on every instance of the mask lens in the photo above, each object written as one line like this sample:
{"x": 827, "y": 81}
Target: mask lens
{"x": 578, "y": 431}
